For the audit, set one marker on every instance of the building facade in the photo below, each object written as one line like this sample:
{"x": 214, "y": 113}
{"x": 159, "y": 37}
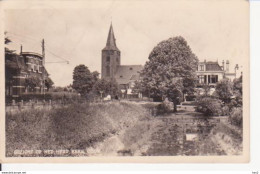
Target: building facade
{"x": 25, "y": 73}
{"x": 211, "y": 72}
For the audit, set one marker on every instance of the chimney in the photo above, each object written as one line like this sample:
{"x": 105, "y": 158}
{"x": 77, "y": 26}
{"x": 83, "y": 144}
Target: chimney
{"x": 227, "y": 65}
{"x": 223, "y": 65}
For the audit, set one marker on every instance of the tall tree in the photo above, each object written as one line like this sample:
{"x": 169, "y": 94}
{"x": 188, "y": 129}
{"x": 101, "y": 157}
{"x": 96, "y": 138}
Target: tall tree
{"x": 170, "y": 71}
{"x": 83, "y": 80}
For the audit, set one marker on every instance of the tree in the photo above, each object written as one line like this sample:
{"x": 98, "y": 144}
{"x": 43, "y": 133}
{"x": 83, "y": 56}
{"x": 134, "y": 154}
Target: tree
{"x": 7, "y": 41}
{"x": 95, "y": 75}
{"x": 238, "y": 92}
{"x": 48, "y": 83}
{"x": 170, "y": 71}
{"x": 237, "y": 85}
{"x": 104, "y": 87}
{"x": 31, "y": 82}
{"x": 83, "y": 79}
{"x": 224, "y": 90}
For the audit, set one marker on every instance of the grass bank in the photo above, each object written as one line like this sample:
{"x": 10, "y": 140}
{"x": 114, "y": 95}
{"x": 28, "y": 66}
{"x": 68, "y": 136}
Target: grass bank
{"x": 76, "y": 126}
{"x": 229, "y": 138}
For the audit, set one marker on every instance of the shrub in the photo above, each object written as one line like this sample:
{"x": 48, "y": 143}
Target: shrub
{"x": 190, "y": 97}
{"x": 236, "y": 117}
{"x": 35, "y": 96}
{"x": 162, "y": 108}
{"x": 209, "y": 106}
{"x": 224, "y": 90}
{"x": 226, "y": 110}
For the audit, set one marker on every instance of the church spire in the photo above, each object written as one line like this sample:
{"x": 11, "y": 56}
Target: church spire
{"x": 111, "y": 41}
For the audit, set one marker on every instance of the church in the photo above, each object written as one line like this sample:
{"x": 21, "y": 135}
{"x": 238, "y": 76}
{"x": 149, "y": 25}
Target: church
{"x": 125, "y": 75}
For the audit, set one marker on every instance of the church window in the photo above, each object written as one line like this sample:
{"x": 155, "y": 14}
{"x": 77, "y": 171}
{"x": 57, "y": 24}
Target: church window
{"x": 108, "y": 70}
{"x": 108, "y": 59}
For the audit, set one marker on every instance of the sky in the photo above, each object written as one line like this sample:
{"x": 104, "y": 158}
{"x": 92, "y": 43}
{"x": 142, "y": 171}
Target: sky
{"x": 215, "y": 30}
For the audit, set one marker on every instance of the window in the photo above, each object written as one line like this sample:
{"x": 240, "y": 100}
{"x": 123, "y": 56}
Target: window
{"x": 108, "y": 59}
{"x": 35, "y": 68}
{"x": 214, "y": 78}
{"x": 40, "y": 69}
{"x": 131, "y": 68}
{"x": 201, "y": 67}
{"x": 108, "y": 71}
{"x": 121, "y": 76}
{"x": 201, "y": 79}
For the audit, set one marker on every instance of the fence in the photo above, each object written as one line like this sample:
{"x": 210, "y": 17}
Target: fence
{"x": 15, "y": 107}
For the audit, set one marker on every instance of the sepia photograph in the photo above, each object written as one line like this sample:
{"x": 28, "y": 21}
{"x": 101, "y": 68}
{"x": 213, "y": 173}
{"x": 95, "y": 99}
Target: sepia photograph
{"x": 147, "y": 79}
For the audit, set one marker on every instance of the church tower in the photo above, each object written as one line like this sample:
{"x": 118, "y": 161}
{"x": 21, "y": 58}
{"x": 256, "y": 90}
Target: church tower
{"x": 110, "y": 56}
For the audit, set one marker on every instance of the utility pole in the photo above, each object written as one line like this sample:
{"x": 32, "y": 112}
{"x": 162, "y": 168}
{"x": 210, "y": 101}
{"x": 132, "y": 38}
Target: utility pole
{"x": 236, "y": 68}
{"x": 43, "y": 65}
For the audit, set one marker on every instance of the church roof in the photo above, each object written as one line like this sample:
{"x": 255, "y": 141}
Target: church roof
{"x": 128, "y": 73}
{"x": 111, "y": 40}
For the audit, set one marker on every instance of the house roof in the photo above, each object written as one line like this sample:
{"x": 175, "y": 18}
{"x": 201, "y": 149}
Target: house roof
{"x": 128, "y": 73}
{"x": 15, "y": 61}
{"x": 212, "y": 66}
{"x": 111, "y": 40}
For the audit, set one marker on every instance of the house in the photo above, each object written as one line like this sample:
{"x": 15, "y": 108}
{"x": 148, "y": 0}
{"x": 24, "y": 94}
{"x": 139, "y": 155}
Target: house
{"x": 211, "y": 72}
{"x": 20, "y": 70}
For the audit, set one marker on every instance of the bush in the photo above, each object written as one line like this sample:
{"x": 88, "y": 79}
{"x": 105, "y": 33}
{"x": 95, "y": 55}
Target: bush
{"x": 190, "y": 97}
{"x": 163, "y": 108}
{"x": 236, "y": 117}
{"x": 35, "y": 96}
{"x": 226, "y": 110}
{"x": 55, "y": 96}
{"x": 209, "y": 106}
